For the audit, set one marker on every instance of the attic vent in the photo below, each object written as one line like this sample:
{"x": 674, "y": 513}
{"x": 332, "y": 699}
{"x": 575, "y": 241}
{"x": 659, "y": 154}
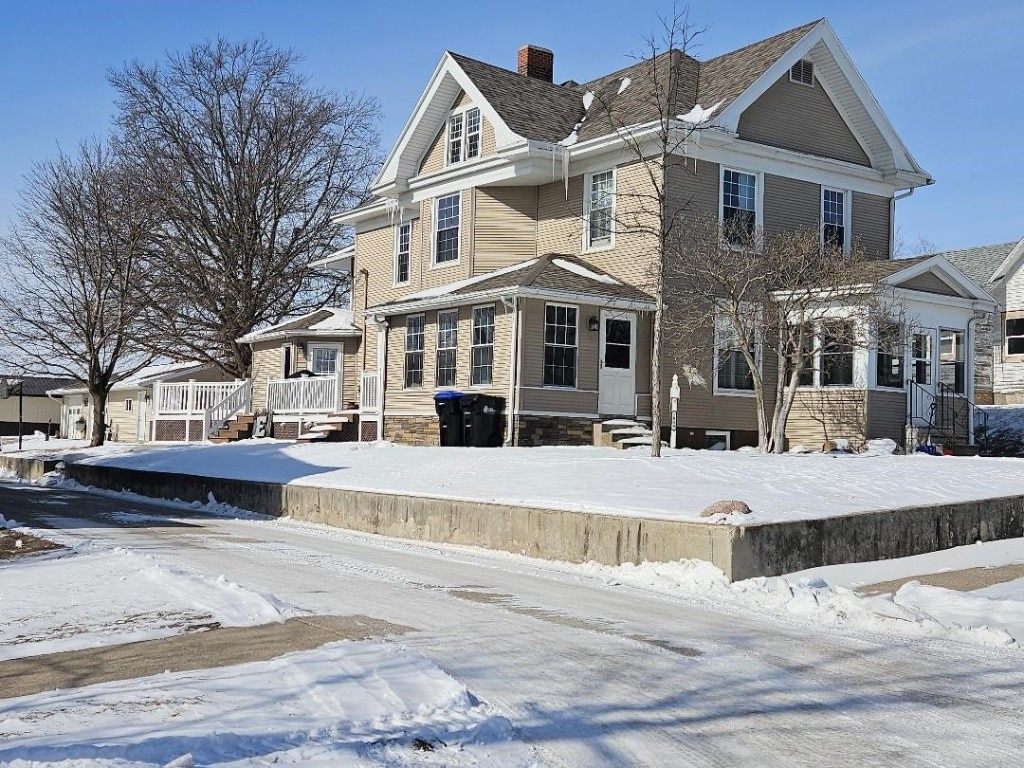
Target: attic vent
{"x": 802, "y": 72}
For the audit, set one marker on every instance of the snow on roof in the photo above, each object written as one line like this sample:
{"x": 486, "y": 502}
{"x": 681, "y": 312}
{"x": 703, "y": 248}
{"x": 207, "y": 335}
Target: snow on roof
{"x": 330, "y": 319}
{"x": 441, "y": 290}
{"x": 159, "y": 371}
{"x": 579, "y": 269}
{"x": 340, "y": 319}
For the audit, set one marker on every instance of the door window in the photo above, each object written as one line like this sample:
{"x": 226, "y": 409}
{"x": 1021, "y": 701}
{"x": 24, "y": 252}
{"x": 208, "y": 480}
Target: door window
{"x": 324, "y": 361}
{"x": 617, "y": 343}
{"x": 922, "y": 354}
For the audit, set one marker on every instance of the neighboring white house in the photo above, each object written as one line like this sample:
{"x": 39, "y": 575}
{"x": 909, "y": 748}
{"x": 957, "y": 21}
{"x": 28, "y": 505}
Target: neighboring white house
{"x": 159, "y": 402}
{"x": 999, "y": 369}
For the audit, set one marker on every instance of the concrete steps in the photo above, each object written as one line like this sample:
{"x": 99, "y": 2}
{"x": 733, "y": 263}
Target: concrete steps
{"x": 622, "y": 433}
{"x": 327, "y": 428}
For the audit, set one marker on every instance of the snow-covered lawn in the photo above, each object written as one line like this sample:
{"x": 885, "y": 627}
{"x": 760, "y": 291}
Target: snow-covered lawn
{"x": 677, "y": 486}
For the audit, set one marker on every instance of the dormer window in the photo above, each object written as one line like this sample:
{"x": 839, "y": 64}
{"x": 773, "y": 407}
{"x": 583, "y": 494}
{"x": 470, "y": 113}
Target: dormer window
{"x": 802, "y": 72}
{"x": 464, "y": 136}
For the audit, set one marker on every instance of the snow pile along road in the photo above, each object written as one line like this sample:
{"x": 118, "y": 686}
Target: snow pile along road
{"x": 914, "y": 610}
{"x": 343, "y": 704}
{"x": 91, "y": 596}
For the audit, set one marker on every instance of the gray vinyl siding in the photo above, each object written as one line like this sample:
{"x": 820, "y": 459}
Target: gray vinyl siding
{"x": 928, "y": 283}
{"x": 871, "y": 224}
{"x": 803, "y": 119}
{"x": 506, "y": 227}
{"x": 692, "y": 187}
{"x": 887, "y": 415}
{"x": 790, "y": 204}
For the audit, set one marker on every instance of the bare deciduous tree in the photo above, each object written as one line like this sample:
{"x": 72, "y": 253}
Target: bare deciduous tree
{"x": 654, "y": 115}
{"x": 70, "y": 302}
{"x": 249, "y": 163}
{"x": 788, "y": 306}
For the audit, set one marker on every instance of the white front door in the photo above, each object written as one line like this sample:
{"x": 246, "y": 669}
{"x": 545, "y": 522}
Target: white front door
{"x": 923, "y": 348}
{"x": 616, "y": 385}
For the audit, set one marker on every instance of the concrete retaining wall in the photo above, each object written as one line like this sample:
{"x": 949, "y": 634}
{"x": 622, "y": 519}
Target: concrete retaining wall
{"x": 740, "y": 551}
{"x": 28, "y": 469}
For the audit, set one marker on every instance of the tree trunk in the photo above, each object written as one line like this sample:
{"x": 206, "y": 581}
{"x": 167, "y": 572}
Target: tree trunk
{"x": 98, "y": 398}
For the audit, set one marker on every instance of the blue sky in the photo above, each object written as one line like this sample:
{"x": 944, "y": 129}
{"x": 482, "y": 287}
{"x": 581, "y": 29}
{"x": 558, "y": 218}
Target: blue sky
{"x": 950, "y": 75}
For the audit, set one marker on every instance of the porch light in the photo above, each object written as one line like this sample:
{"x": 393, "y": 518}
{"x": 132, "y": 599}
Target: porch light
{"x": 593, "y": 323}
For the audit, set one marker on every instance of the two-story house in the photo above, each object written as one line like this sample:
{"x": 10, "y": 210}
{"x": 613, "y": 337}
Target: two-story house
{"x": 492, "y": 259}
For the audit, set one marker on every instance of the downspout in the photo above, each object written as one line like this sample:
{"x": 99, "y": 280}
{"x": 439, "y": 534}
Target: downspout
{"x": 969, "y": 384}
{"x": 382, "y": 356}
{"x": 892, "y": 218}
{"x": 512, "y": 305}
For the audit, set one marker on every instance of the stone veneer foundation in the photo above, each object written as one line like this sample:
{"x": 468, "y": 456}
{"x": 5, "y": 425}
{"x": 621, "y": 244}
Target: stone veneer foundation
{"x": 554, "y": 430}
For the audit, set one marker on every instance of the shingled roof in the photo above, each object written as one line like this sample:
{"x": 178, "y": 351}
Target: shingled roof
{"x": 980, "y": 263}
{"x": 549, "y": 275}
{"x": 545, "y": 111}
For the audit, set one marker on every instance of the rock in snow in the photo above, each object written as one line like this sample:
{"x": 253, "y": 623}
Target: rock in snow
{"x": 728, "y": 507}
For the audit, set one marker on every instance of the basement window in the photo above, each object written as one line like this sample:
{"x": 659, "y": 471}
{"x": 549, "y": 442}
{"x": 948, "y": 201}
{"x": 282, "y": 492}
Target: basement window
{"x": 802, "y": 72}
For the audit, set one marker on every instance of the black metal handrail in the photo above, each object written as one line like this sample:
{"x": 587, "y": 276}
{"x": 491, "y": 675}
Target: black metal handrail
{"x": 950, "y": 414}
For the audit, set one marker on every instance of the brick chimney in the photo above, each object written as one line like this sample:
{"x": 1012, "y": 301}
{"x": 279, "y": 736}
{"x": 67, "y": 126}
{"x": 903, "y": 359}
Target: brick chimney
{"x": 537, "y": 62}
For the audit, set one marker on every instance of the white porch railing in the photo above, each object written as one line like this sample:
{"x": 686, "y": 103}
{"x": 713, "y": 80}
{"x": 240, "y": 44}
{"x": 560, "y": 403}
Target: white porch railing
{"x": 369, "y": 392}
{"x": 312, "y": 394}
{"x": 190, "y": 398}
{"x": 239, "y": 400}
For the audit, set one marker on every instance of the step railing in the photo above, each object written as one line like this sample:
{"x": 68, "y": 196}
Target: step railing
{"x": 311, "y": 394}
{"x": 947, "y": 414}
{"x": 239, "y": 400}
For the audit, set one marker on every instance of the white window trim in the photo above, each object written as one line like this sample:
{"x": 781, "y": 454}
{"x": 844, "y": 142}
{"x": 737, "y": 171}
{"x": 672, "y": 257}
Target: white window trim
{"x": 847, "y": 216}
{"x": 544, "y": 344}
{"x": 472, "y": 346}
{"x": 1006, "y": 317}
{"x": 587, "y": 180}
{"x": 758, "y": 196}
{"x": 872, "y": 371}
{"x": 287, "y": 359}
{"x": 863, "y": 364}
{"x": 406, "y": 350}
{"x": 398, "y": 236}
{"x": 311, "y": 346}
{"x": 434, "y": 264}
{"x": 463, "y": 111}
{"x": 128, "y": 404}
{"x": 438, "y": 347}
{"x": 719, "y": 433}
{"x": 758, "y": 357}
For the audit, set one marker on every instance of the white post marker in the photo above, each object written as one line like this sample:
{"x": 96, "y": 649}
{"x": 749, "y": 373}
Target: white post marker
{"x": 674, "y": 395}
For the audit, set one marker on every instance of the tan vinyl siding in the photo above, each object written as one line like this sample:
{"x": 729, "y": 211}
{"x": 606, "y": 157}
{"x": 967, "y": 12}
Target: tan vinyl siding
{"x": 560, "y": 224}
{"x": 790, "y": 204}
{"x": 928, "y": 282}
{"x": 266, "y": 364}
{"x": 827, "y": 413}
{"x": 871, "y": 226}
{"x": 421, "y": 399}
{"x": 803, "y": 119}
{"x": 434, "y": 158}
{"x": 535, "y": 396}
{"x": 693, "y": 187}
{"x": 123, "y": 423}
{"x": 887, "y": 414}
{"x": 36, "y": 410}
{"x": 506, "y": 227}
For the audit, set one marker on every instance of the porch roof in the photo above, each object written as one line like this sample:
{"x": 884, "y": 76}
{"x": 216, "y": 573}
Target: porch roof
{"x": 329, "y": 321}
{"x": 552, "y": 276}
{"x": 144, "y": 377}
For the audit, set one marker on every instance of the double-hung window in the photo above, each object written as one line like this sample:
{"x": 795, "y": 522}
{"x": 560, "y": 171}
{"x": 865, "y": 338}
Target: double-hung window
{"x": 952, "y": 363}
{"x": 559, "y": 345}
{"x": 837, "y": 354}
{"x": 464, "y": 136}
{"x": 834, "y": 219}
{"x": 446, "y": 227}
{"x": 447, "y": 347}
{"x": 482, "y": 351}
{"x": 403, "y": 249}
{"x": 600, "y": 209}
{"x": 732, "y": 372}
{"x": 739, "y": 205}
{"x": 414, "y": 351}
{"x": 1014, "y": 329}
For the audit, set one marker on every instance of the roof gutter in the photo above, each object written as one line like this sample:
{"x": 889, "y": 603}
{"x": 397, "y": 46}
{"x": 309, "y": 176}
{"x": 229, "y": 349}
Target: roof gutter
{"x": 526, "y": 292}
